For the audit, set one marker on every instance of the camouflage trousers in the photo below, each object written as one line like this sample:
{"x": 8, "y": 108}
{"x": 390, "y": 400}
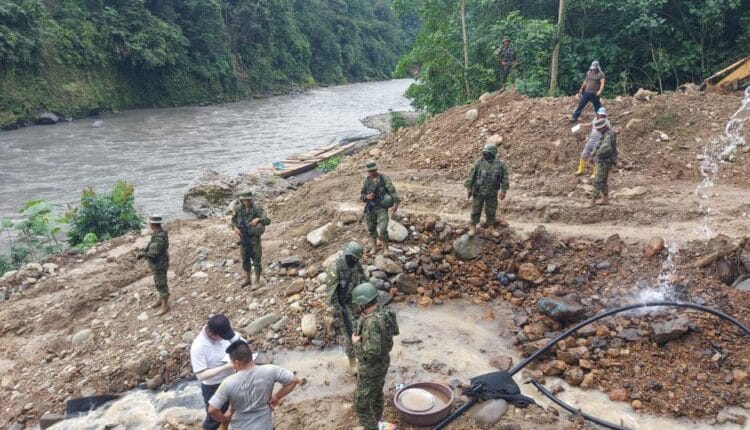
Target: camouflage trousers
{"x": 490, "y": 208}
{"x": 377, "y": 221}
{"x": 368, "y": 396}
{"x": 251, "y": 256}
{"x": 160, "y": 281}
{"x": 600, "y": 180}
{"x": 345, "y": 339}
{"x": 504, "y": 72}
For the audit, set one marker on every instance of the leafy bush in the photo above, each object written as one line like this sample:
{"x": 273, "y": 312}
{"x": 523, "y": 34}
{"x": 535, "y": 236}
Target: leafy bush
{"x": 422, "y": 118}
{"x": 35, "y": 237}
{"x": 103, "y": 215}
{"x": 330, "y": 164}
{"x": 397, "y": 121}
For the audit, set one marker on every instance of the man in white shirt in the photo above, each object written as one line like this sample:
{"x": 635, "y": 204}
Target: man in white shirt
{"x": 250, "y": 391}
{"x": 207, "y": 354}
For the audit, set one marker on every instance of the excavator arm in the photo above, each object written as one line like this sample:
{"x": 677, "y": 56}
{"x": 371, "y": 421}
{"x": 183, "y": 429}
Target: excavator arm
{"x": 733, "y": 77}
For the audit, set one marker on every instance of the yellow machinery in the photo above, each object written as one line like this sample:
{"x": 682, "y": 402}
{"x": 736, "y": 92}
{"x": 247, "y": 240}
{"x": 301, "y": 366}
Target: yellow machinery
{"x": 730, "y": 78}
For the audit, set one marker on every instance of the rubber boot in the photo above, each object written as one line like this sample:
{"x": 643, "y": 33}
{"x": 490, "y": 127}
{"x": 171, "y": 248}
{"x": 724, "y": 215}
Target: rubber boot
{"x": 472, "y": 230}
{"x": 581, "y": 167}
{"x": 374, "y": 246}
{"x": 164, "y": 307}
{"x": 157, "y": 305}
{"x": 248, "y": 280}
{"x": 593, "y": 173}
{"x": 386, "y": 249}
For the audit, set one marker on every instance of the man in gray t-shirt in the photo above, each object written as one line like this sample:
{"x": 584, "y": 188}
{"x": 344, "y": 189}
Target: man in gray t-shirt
{"x": 250, "y": 391}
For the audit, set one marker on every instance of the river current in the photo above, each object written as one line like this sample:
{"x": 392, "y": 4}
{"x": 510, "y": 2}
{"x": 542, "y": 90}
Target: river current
{"x": 161, "y": 150}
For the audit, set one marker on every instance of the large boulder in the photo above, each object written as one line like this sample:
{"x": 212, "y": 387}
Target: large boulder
{"x": 309, "y": 326}
{"x": 671, "y": 330}
{"x": 467, "y": 247}
{"x": 259, "y": 324}
{"x": 743, "y": 285}
{"x": 397, "y": 232}
{"x": 489, "y": 413}
{"x": 387, "y": 265}
{"x": 47, "y": 118}
{"x": 406, "y": 284}
{"x": 321, "y": 235}
{"x": 560, "y": 308}
{"x": 471, "y": 115}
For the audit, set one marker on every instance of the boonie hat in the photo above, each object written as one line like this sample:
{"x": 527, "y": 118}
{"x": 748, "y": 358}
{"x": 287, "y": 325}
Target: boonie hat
{"x": 246, "y": 195}
{"x": 506, "y": 39}
{"x": 155, "y": 219}
{"x": 601, "y": 123}
{"x": 371, "y": 166}
{"x": 219, "y": 324}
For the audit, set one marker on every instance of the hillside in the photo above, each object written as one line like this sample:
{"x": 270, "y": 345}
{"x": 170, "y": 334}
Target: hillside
{"x": 463, "y": 315}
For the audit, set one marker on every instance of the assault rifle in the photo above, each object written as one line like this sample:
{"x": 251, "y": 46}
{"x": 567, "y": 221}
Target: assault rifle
{"x": 369, "y": 207}
{"x": 340, "y": 296}
{"x": 244, "y": 233}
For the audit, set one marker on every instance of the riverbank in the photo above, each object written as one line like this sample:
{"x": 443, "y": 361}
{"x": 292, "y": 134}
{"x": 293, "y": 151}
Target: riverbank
{"x": 99, "y": 337}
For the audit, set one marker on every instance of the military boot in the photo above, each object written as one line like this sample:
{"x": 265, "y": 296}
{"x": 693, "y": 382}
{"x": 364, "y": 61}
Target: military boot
{"x": 374, "y": 246}
{"x": 257, "y": 280}
{"x": 157, "y": 304}
{"x": 248, "y": 280}
{"x": 605, "y": 200}
{"x": 386, "y": 249}
{"x": 593, "y": 202}
{"x": 164, "y": 307}
{"x": 352, "y": 366}
{"x": 472, "y": 230}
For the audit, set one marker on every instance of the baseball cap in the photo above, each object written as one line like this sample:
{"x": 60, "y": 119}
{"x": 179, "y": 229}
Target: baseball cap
{"x": 219, "y": 324}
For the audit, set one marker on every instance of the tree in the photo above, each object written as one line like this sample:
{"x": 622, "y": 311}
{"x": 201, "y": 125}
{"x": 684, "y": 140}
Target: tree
{"x": 554, "y": 65}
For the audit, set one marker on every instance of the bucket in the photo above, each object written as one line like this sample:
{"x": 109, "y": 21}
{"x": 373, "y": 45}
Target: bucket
{"x": 424, "y": 403}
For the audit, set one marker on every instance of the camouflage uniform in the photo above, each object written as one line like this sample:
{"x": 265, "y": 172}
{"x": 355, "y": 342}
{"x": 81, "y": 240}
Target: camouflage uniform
{"x": 505, "y": 55}
{"x": 251, "y": 252}
{"x": 373, "y": 354}
{"x": 341, "y": 297}
{"x": 485, "y": 180}
{"x": 606, "y": 157}
{"x": 377, "y": 218}
{"x": 157, "y": 253}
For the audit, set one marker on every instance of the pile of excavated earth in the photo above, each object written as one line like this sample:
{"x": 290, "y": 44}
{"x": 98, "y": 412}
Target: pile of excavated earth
{"x": 79, "y": 324}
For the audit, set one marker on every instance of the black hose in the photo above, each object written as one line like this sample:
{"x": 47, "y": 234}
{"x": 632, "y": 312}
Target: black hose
{"x": 460, "y": 411}
{"x": 568, "y": 332}
{"x": 573, "y": 410}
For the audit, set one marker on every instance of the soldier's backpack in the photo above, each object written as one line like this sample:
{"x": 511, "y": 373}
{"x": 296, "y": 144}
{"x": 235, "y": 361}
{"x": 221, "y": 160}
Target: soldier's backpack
{"x": 389, "y": 329}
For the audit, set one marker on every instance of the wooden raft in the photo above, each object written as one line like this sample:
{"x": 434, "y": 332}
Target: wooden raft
{"x": 300, "y": 163}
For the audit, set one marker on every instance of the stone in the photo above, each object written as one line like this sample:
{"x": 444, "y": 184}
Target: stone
{"x": 411, "y": 266}
{"x": 573, "y": 355}
{"x": 439, "y": 225}
{"x": 81, "y": 337}
{"x": 309, "y": 326}
{"x": 406, "y": 284}
{"x": 528, "y": 272}
{"x": 553, "y": 368}
{"x": 604, "y": 265}
{"x": 348, "y": 218}
{"x": 154, "y": 382}
{"x": 484, "y": 97}
{"x": 588, "y": 381}
{"x": 534, "y": 331}
{"x": 47, "y": 118}
{"x": 466, "y": 247}
{"x": 655, "y": 246}
{"x": 619, "y": 395}
{"x": 291, "y": 261}
{"x": 48, "y": 419}
{"x": 35, "y": 267}
{"x": 397, "y": 232}
{"x": 574, "y": 376}
{"x": 739, "y": 376}
{"x": 50, "y": 268}
{"x": 143, "y": 316}
{"x": 560, "y": 308}
{"x": 471, "y": 115}
{"x": 199, "y": 275}
{"x": 495, "y": 139}
{"x": 501, "y": 362}
{"x": 643, "y": 94}
{"x": 743, "y": 285}
{"x": 296, "y": 287}
{"x": 489, "y": 413}
{"x": 321, "y": 235}
{"x": 260, "y": 324}
{"x": 632, "y": 193}
{"x": 670, "y": 330}
{"x": 629, "y": 334}
{"x": 387, "y": 265}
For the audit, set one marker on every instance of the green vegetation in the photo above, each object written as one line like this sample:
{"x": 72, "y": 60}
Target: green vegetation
{"x": 103, "y": 216}
{"x": 330, "y": 164}
{"x": 397, "y": 121}
{"x": 35, "y": 235}
{"x": 656, "y": 44}
{"x": 79, "y": 57}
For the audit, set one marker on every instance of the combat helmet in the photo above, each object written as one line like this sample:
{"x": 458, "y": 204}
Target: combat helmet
{"x": 354, "y": 249}
{"x": 490, "y": 148}
{"x": 364, "y": 293}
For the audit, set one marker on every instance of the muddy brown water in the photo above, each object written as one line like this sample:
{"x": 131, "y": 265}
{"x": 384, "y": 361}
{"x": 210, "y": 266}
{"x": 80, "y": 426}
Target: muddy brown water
{"x": 161, "y": 150}
{"x": 453, "y": 336}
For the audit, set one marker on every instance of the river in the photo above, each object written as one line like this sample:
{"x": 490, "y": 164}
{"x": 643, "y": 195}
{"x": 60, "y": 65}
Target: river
{"x": 161, "y": 150}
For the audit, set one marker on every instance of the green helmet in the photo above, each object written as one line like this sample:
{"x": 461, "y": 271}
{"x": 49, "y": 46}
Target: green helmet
{"x": 364, "y": 293}
{"x": 491, "y": 148}
{"x": 354, "y": 249}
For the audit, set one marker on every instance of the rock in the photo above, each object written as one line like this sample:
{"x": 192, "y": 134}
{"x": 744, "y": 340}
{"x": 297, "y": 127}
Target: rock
{"x": 154, "y": 382}
{"x": 47, "y": 118}
{"x": 446, "y": 233}
{"x": 725, "y": 416}
{"x": 348, "y": 218}
{"x": 387, "y": 265}
{"x": 81, "y": 337}
{"x": 50, "y": 268}
{"x": 633, "y": 123}
{"x": 143, "y": 316}
{"x": 471, "y": 115}
{"x": 574, "y": 376}
{"x": 406, "y": 284}
{"x": 291, "y": 261}
{"x": 296, "y": 287}
{"x": 260, "y": 324}
{"x": 397, "y": 232}
{"x": 199, "y": 275}
{"x": 48, "y": 419}
{"x": 489, "y": 413}
{"x": 632, "y": 193}
{"x": 484, "y": 97}
{"x": 670, "y": 330}
{"x": 629, "y": 334}
{"x": 439, "y": 226}
{"x": 604, "y": 265}
{"x": 495, "y": 139}
{"x": 588, "y": 381}
{"x": 35, "y": 267}
{"x": 619, "y": 395}
{"x": 278, "y": 325}
{"x": 17, "y": 426}
{"x": 739, "y": 376}
{"x": 560, "y": 308}
{"x": 743, "y": 285}
{"x": 528, "y": 272}
{"x": 9, "y": 275}
{"x": 501, "y": 362}
{"x": 466, "y": 247}
{"x": 655, "y": 246}
{"x": 553, "y": 368}
{"x": 644, "y": 95}
{"x": 411, "y": 266}
{"x": 309, "y": 326}
{"x": 321, "y": 236}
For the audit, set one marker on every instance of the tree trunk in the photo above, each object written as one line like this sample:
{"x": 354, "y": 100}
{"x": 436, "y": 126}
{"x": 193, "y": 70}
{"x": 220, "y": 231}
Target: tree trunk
{"x": 554, "y": 67}
{"x": 466, "y": 47}
{"x": 656, "y": 62}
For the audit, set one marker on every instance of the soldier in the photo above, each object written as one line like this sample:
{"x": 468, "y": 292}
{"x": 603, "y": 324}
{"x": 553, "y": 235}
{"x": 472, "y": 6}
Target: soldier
{"x": 373, "y": 341}
{"x": 487, "y": 182}
{"x": 591, "y": 144}
{"x": 606, "y": 157}
{"x": 379, "y": 194}
{"x": 506, "y": 56}
{"x": 249, "y": 222}
{"x": 157, "y": 254}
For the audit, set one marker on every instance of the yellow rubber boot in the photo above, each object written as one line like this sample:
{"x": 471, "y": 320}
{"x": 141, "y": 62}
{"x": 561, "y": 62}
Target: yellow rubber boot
{"x": 581, "y": 167}
{"x": 593, "y": 173}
